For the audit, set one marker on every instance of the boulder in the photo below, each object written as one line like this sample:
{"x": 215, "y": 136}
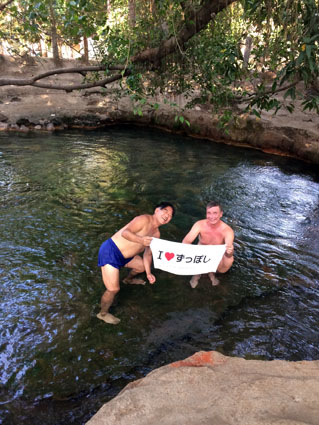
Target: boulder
{"x": 211, "y": 389}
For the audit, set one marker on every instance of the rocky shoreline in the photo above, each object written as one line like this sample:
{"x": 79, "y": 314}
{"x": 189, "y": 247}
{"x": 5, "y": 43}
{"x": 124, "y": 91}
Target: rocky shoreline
{"x": 27, "y": 108}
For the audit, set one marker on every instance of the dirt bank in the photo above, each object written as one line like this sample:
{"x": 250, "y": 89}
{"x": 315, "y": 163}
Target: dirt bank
{"x": 26, "y": 108}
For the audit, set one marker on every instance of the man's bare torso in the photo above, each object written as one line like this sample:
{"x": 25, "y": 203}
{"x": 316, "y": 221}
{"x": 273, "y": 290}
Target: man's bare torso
{"x": 212, "y": 235}
{"x": 147, "y": 228}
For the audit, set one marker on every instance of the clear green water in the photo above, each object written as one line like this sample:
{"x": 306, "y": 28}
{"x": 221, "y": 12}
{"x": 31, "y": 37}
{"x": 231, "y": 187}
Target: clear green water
{"x": 62, "y": 195}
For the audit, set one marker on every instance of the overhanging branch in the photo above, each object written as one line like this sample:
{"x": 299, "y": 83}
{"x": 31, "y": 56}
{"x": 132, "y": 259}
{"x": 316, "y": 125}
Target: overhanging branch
{"x": 194, "y": 22}
{"x": 255, "y": 95}
{"x": 81, "y": 70}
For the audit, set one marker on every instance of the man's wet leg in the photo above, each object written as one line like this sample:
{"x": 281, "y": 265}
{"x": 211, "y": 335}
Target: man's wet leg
{"x": 137, "y": 266}
{"x": 132, "y": 280}
{"x": 225, "y": 263}
{"x": 194, "y": 280}
{"x": 106, "y": 302}
{"x": 110, "y": 276}
{"x": 213, "y": 279}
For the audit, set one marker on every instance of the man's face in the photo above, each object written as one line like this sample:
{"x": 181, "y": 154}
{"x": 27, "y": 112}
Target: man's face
{"x": 214, "y": 214}
{"x": 164, "y": 215}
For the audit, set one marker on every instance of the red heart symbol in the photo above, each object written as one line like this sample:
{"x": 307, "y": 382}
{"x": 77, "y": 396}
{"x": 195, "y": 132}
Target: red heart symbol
{"x": 169, "y": 255}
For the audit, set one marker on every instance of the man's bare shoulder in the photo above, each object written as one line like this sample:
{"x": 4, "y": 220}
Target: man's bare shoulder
{"x": 143, "y": 218}
{"x": 227, "y": 228}
{"x": 200, "y": 223}
{"x": 136, "y": 224}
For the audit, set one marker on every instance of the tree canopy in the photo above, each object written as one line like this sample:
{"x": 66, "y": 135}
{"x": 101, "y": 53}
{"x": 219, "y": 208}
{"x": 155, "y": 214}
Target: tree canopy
{"x": 221, "y": 52}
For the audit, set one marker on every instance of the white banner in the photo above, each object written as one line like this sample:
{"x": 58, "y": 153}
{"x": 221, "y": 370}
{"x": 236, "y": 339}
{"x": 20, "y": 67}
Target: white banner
{"x": 186, "y": 259}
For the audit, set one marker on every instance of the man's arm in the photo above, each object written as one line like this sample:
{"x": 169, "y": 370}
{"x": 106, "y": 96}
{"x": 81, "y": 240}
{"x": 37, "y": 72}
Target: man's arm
{"x": 229, "y": 241}
{"x": 135, "y": 226}
{"x": 192, "y": 234}
{"x": 147, "y": 260}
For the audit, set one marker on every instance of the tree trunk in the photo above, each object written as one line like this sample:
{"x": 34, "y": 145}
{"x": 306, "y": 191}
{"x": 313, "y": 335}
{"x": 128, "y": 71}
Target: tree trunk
{"x": 86, "y": 50}
{"x": 195, "y": 21}
{"x": 108, "y": 7}
{"x": 248, "y": 47}
{"x": 131, "y": 13}
{"x": 54, "y": 36}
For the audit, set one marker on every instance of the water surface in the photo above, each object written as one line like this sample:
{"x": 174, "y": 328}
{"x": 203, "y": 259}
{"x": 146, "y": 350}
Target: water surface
{"x": 62, "y": 195}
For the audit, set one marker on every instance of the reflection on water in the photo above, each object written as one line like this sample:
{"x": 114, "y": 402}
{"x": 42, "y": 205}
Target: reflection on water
{"x": 62, "y": 195}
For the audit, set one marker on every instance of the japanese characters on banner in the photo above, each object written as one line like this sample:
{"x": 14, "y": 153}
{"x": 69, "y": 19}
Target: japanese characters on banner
{"x": 186, "y": 259}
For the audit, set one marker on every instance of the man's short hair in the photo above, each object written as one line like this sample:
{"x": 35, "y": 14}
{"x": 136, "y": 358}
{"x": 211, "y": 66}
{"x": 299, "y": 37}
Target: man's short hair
{"x": 214, "y": 204}
{"x": 163, "y": 205}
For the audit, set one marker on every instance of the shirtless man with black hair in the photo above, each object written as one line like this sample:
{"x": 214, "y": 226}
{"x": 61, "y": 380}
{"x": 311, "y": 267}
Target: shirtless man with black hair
{"x": 121, "y": 251}
{"x": 213, "y": 231}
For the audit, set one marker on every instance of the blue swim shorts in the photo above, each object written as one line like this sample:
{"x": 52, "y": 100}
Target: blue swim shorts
{"x": 110, "y": 254}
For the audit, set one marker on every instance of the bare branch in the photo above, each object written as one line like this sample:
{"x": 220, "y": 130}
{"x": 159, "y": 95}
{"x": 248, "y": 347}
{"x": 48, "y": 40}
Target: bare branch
{"x": 240, "y": 99}
{"x": 68, "y": 88}
{"x": 82, "y": 70}
{"x": 4, "y": 5}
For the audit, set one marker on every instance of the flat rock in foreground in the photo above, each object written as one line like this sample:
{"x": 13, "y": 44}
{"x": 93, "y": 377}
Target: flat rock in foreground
{"x": 211, "y": 389}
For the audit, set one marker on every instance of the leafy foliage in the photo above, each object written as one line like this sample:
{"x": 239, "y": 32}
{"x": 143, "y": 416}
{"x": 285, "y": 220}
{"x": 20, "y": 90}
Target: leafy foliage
{"x": 215, "y": 65}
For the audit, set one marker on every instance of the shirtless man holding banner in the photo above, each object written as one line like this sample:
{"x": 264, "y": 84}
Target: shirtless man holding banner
{"x": 213, "y": 231}
{"x": 122, "y": 249}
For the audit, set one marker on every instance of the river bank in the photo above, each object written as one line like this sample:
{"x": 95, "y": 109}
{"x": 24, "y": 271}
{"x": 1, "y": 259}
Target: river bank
{"x": 28, "y": 108}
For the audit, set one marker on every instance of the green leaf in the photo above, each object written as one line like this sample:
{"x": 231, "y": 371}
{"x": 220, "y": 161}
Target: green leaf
{"x": 313, "y": 38}
{"x": 274, "y": 86}
{"x": 308, "y": 50}
{"x": 291, "y": 93}
{"x": 311, "y": 66}
{"x": 290, "y": 108}
{"x": 300, "y": 58}
{"x": 255, "y": 112}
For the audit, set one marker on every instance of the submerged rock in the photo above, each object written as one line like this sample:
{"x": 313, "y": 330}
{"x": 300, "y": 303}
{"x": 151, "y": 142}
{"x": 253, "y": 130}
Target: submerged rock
{"x": 209, "y": 388}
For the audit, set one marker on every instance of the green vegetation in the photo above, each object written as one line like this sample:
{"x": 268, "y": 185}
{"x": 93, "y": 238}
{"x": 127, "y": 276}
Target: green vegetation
{"x": 221, "y": 52}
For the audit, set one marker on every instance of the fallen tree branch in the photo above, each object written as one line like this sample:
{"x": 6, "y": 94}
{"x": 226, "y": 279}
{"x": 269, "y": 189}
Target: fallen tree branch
{"x": 33, "y": 81}
{"x": 69, "y": 89}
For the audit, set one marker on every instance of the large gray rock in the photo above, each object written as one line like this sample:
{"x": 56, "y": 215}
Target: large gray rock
{"x": 211, "y": 389}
